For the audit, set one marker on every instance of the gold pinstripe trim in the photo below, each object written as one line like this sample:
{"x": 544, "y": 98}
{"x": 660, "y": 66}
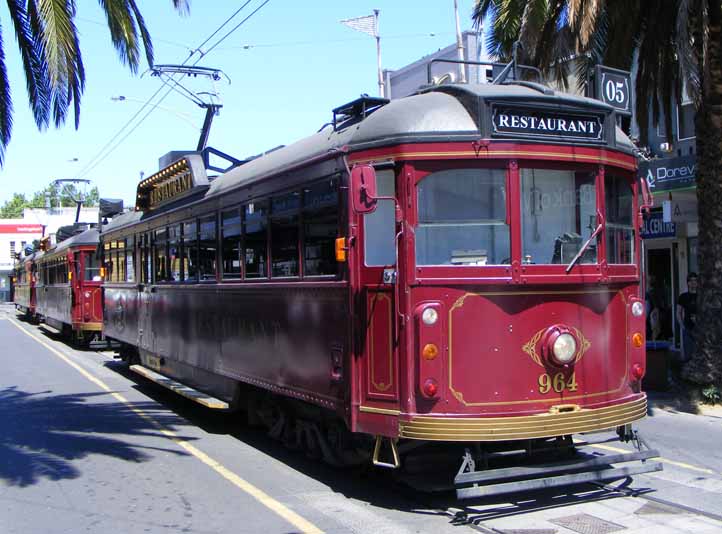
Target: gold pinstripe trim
{"x": 460, "y": 302}
{"x": 544, "y": 425}
{"x": 381, "y": 387}
{"x": 489, "y": 154}
{"x": 383, "y": 411}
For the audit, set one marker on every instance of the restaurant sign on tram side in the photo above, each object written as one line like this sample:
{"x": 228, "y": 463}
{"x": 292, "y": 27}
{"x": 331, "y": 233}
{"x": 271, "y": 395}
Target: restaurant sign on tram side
{"x": 179, "y": 179}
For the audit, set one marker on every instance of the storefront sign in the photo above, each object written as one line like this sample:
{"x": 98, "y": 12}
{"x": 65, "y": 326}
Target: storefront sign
{"x": 654, "y": 227}
{"x": 21, "y": 229}
{"x": 668, "y": 174}
{"x": 538, "y": 123}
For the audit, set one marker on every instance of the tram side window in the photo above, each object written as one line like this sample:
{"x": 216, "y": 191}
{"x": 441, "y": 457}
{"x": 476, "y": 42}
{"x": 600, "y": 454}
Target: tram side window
{"x": 160, "y": 255}
{"x": 320, "y": 228}
{"x": 207, "y": 248}
{"x": 174, "y": 253}
{"x": 619, "y": 207}
{"x": 462, "y": 218}
{"x": 558, "y": 214}
{"x": 189, "y": 252}
{"x": 146, "y": 265}
{"x": 380, "y": 226}
{"x": 129, "y": 259}
{"x": 231, "y": 243}
{"x": 120, "y": 262}
{"x": 92, "y": 267}
{"x": 255, "y": 232}
{"x": 284, "y": 235}
{"x": 114, "y": 274}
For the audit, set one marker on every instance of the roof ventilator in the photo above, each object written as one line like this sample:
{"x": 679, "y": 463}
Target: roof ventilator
{"x": 356, "y": 110}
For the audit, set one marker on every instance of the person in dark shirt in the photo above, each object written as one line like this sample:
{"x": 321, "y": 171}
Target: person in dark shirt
{"x": 687, "y": 316}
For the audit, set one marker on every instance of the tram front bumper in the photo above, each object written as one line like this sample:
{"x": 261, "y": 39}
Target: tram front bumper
{"x": 545, "y": 425}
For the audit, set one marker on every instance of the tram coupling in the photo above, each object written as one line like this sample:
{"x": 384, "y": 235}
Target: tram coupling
{"x": 581, "y": 462}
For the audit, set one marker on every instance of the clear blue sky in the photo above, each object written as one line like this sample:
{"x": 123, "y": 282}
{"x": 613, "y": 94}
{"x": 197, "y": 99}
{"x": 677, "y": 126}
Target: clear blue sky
{"x": 300, "y": 64}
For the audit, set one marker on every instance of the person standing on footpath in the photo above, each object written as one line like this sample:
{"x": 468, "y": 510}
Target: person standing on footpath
{"x": 687, "y": 317}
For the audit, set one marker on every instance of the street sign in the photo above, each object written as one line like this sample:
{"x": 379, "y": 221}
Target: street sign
{"x": 613, "y": 87}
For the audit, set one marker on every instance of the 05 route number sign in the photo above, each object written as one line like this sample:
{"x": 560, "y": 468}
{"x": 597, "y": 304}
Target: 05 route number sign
{"x": 612, "y": 86}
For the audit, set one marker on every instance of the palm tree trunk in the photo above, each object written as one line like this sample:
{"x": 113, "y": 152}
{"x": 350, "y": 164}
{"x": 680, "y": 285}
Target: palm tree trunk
{"x": 706, "y": 365}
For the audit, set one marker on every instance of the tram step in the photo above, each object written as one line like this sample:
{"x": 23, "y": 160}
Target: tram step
{"x": 181, "y": 389}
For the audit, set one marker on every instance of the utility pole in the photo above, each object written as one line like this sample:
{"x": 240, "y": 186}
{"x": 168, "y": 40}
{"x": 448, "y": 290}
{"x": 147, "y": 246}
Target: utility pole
{"x": 459, "y": 45}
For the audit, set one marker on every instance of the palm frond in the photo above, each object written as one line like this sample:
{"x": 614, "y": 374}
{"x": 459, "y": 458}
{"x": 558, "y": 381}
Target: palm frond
{"x": 145, "y": 35}
{"x": 62, "y": 55}
{"x": 182, "y": 6}
{"x": 123, "y": 32}
{"x": 6, "y": 105}
{"x": 36, "y": 76}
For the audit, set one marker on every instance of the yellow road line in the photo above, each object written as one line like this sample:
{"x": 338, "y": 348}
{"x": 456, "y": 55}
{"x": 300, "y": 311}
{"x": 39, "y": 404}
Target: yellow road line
{"x": 269, "y": 502}
{"x": 661, "y": 459}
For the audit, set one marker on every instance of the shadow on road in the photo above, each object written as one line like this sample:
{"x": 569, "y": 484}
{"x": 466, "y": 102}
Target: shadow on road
{"x": 44, "y": 433}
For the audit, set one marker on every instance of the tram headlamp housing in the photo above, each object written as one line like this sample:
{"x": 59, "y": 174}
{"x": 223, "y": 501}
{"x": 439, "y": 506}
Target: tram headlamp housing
{"x": 564, "y": 348}
{"x": 430, "y": 316}
{"x": 637, "y": 308}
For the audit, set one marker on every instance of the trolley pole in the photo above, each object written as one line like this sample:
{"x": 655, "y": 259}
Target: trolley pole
{"x": 459, "y": 44}
{"x": 382, "y": 90}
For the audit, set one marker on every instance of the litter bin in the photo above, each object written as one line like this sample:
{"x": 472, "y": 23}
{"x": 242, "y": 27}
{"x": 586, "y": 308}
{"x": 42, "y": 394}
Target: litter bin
{"x": 658, "y": 364}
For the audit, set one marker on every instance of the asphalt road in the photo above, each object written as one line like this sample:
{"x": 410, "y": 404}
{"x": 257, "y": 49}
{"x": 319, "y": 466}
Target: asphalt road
{"x": 86, "y": 446}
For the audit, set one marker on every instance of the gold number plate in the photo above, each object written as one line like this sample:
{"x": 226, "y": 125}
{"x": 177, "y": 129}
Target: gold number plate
{"x": 557, "y": 383}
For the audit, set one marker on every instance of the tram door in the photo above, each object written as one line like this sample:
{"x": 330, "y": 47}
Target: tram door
{"x": 145, "y": 328}
{"x": 380, "y": 361}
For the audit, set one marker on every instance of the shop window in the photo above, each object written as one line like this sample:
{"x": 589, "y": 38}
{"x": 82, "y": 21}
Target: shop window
{"x": 255, "y": 245}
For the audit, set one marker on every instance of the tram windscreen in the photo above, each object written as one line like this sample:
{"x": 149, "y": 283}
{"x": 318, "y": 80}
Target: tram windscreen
{"x": 558, "y": 214}
{"x": 619, "y": 207}
{"x": 462, "y": 218}
{"x": 92, "y": 267}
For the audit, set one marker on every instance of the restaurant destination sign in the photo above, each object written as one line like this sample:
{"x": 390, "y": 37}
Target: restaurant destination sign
{"x": 177, "y": 180}
{"x": 547, "y": 124}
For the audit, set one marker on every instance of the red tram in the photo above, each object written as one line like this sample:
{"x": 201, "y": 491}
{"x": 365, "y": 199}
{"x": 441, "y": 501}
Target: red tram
{"x": 24, "y": 295}
{"x": 68, "y": 287}
{"x": 460, "y": 266}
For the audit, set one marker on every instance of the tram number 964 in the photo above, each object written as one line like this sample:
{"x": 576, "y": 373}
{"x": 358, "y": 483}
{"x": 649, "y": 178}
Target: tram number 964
{"x": 558, "y": 383}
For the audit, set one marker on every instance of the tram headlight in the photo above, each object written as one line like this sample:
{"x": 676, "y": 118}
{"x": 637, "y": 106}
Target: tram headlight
{"x": 637, "y": 308}
{"x": 564, "y": 348}
{"x": 430, "y": 316}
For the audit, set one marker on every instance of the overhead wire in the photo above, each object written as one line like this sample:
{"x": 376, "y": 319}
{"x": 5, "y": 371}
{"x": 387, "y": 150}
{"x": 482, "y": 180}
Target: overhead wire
{"x": 109, "y": 147}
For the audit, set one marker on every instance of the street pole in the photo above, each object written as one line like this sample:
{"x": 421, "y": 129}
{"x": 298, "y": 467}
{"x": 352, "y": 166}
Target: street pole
{"x": 459, "y": 44}
{"x": 378, "y": 54}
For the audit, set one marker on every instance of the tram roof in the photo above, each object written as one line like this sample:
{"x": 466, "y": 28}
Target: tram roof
{"x": 88, "y": 237}
{"x": 440, "y": 113}
{"x": 124, "y": 219}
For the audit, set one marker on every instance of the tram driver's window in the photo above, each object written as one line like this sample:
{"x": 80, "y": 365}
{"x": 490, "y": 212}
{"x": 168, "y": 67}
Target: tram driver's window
{"x": 619, "y": 209}
{"x": 462, "y": 218}
{"x": 92, "y": 267}
{"x": 558, "y": 214}
{"x": 380, "y": 225}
